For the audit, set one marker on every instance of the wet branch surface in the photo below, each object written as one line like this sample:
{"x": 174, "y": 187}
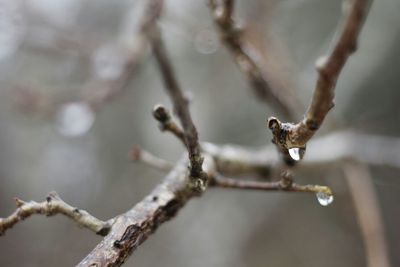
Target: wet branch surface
{"x": 210, "y": 163}
{"x": 328, "y": 67}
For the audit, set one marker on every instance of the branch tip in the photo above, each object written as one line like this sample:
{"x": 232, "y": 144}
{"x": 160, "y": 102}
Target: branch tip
{"x": 161, "y": 114}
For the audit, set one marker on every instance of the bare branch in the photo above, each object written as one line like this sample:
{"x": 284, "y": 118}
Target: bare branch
{"x": 52, "y": 206}
{"x": 285, "y": 184}
{"x": 329, "y": 67}
{"x": 366, "y": 205}
{"x": 161, "y": 114}
{"x": 181, "y": 107}
{"x": 247, "y": 58}
{"x": 327, "y": 151}
{"x": 138, "y": 154}
{"x": 136, "y": 225}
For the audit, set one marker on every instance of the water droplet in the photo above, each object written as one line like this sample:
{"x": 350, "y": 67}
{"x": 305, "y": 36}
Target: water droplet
{"x": 206, "y": 41}
{"x": 74, "y": 119}
{"x": 321, "y": 62}
{"x": 324, "y": 199}
{"x": 295, "y": 153}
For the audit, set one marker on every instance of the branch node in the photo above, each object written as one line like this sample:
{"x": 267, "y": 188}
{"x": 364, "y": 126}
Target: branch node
{"x": 19, "y": 202}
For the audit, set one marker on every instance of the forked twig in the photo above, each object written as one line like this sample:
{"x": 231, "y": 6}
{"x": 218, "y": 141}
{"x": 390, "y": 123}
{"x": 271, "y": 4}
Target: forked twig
{"x": 181, "y": 107}
{"x": 328, "y": 67}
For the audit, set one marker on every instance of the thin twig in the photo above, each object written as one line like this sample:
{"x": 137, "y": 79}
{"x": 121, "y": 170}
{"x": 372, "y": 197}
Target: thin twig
{"x": 162, "y": 115}
{"x": 329, "y": 68}
{"x": 181, "y": 107}
{"x": 247, "y": 58}
{"x": 281, "y": 185}
{"x": 369, "y": 217}
{"x": 51, "y": 206}
{"x": 138, "y": 154}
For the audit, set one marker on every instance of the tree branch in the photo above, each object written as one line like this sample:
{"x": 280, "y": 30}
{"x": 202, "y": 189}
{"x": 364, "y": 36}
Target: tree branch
{"x": 247, "y": 57}
{"x": 138, "y": 154}
{"x": 181, "y": 107}
{"x": 326, "y": 151}
{"x": 136, "y": 225}
{"x": 162, "y": 115}
{"x": 369, "y": 217}
{"x": 52, "y": 206}
{"x": 284, "y": 184}
{"x": 289, "y": 135}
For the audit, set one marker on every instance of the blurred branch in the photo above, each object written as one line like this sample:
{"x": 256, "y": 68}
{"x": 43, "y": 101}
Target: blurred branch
{"x": 324, "y": 152}
{"x": 97, "y": 91}
{"x": 181, "y": 107}
{"x": 138, "y": 154}
{"x": 288, "y": 135}
{"x": 137, "y": 53}
{"x": 369, "y": 217}
{"x": 247, "y": 58}
{"x": 52, "y": 206}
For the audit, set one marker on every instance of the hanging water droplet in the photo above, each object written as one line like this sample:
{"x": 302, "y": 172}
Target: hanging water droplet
{"x": 74, "y": 119}
{"x": 324, "y": 199}
{"x": 295, "y": 153}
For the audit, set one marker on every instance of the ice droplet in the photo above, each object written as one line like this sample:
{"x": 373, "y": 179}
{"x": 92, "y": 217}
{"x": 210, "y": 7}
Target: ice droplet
{"x": 74, "y": 119}
{"x": 295, "y": 153}
{"x": 324, "y": 199}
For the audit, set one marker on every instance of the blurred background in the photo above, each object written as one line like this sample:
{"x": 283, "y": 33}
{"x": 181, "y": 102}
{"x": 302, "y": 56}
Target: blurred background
{"x": 58, "y": 56}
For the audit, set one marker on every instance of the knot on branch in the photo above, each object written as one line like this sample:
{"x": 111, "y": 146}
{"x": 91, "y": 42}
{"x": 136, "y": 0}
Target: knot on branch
{"x": 281, "y": 137}
{"x": 198, "y": 179}
{"x": 286, "y": 180}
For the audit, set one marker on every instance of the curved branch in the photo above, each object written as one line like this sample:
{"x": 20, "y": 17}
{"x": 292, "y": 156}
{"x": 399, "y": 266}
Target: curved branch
{"x": 52, "y": 206}
{"x": 247, "y": 58}
{"x": 329, "y": 68}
